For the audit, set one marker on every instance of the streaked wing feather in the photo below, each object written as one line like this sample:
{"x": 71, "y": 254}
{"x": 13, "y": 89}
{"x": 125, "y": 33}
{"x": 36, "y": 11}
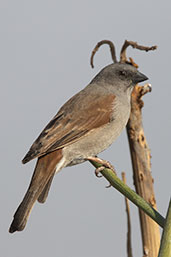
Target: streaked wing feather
{"x": 71, "y": 124}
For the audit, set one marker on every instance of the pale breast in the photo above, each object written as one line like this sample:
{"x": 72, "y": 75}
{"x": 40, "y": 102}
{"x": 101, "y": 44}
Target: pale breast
{"x": 97, "y": 140}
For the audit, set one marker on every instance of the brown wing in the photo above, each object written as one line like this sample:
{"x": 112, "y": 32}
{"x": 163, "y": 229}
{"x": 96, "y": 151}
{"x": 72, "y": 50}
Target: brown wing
{"x": 74, "y": 120}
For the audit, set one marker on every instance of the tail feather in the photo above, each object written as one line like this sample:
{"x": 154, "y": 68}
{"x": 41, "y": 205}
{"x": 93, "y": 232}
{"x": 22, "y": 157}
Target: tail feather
{"x": 44, "y": 194}
{"x": 44, "y": 171}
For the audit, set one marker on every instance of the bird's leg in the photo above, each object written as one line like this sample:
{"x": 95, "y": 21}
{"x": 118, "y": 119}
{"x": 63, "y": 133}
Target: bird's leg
{"x": 105, "y": 164}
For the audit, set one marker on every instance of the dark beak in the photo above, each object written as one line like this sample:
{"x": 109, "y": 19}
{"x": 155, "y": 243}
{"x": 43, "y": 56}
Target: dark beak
{"x": 139, "y": 77}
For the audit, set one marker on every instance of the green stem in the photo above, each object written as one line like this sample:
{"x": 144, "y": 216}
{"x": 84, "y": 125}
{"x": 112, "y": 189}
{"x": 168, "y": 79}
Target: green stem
{"x": 165, "y": 247}
{"x": 130, "y": 194}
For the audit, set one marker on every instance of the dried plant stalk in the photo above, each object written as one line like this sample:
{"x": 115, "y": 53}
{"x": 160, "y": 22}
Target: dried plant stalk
{"x": 140, "y": 155}
{"x": 129, "y": 244}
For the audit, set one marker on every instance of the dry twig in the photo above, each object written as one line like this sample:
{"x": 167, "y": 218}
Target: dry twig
{"x": 127, "y": 43}
{"x": 112, "y": 50}
{"x": 129, "y": 245}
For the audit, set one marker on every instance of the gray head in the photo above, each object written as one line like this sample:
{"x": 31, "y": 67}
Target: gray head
{"x": 119, "y": 74}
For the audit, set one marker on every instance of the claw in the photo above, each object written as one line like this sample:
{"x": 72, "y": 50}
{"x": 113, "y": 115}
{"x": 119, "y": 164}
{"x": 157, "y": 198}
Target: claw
{"x": 97, "y": 171}
{"x": 108, "y": 186}
{"x": 105, "y": 164}
{"x": 108, "y": 165}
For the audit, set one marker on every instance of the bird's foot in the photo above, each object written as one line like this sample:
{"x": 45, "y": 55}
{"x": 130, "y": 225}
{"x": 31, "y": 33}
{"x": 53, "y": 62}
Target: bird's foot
{"x": 105, "y": 164}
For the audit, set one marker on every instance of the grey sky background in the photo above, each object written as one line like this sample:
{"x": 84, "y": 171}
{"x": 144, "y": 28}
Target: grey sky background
{"x": 44, "y": 60}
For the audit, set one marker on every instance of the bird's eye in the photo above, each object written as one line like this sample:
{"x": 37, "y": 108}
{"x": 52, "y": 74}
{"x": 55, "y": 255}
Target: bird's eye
{"x": 122, "y": 73}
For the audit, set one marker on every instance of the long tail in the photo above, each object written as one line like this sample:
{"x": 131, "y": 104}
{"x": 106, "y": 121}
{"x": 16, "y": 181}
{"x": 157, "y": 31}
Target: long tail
{"x": 44, "y": 171}
{"x": 44, "y": 194}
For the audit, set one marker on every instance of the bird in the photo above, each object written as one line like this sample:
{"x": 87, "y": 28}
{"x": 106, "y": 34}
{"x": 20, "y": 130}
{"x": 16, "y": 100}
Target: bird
{"x": 87, "y": 124}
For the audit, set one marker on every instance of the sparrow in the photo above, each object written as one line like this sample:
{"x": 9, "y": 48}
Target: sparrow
{"x": 87, "y": 124}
